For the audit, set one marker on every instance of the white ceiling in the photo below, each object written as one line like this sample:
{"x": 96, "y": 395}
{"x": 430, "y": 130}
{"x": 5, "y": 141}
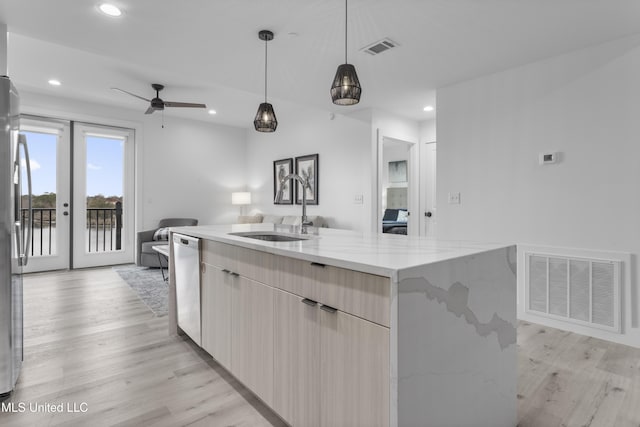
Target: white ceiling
{"x": 208, "y": 51}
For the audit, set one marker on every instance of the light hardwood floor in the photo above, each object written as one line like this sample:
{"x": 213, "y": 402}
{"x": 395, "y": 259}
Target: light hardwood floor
{"x": 88, "y": 338}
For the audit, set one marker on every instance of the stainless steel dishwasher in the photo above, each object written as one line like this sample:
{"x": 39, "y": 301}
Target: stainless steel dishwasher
{"x": 186, "y": 250}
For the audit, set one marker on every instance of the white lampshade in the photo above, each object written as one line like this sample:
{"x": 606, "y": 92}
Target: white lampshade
{"x": 241, "y": 198}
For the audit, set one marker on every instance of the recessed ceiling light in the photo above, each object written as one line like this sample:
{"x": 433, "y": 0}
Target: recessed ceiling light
{"x": 213, "y": 112}
{"x": 54, "y": 82}
{"x": 109, "y": 9}
{"x": 428, "y": 108}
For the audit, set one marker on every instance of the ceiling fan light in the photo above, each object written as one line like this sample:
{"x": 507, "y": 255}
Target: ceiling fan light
{"x": 265, "y": 120}
{"x": 346, "y": 89}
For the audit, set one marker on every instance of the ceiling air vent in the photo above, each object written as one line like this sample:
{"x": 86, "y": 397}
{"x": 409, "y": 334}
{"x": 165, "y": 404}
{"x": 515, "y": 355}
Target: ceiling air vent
{"x": 379, "y": 46}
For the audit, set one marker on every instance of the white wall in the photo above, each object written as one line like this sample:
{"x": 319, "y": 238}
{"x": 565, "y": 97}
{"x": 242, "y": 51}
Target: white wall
{"x": 3, "y": 49}
{"x": 187, "y": 169}
{"x": 428, "y": 130}
{"x": 395, "y": 126}
{"x": 344, "y": 170}
{"x": 586, "y": 105}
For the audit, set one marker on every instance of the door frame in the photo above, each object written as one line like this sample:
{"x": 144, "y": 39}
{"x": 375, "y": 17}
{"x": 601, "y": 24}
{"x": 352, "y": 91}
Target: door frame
{"x": 80, "y": 258}
{"x": 73, "y": 112}
{"x": 428, "y": 188}
{"x": 413, "y": 194}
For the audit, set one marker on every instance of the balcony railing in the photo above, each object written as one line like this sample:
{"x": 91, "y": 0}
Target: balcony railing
{"x": 103, "y": 229}
{"x": 99, "y": 220}
{"x": 43, "y": 229}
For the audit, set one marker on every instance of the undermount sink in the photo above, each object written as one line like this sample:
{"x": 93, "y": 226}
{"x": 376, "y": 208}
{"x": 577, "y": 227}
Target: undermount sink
{"x": 270, "y": 237}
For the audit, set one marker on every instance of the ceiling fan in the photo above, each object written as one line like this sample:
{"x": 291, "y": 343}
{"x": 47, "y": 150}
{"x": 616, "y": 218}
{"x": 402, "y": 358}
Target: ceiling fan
{"x": 158, "y": 104}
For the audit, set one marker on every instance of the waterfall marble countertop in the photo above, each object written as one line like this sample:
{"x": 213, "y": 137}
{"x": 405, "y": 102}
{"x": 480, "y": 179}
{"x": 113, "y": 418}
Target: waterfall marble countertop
{"x": 380, "y": 254}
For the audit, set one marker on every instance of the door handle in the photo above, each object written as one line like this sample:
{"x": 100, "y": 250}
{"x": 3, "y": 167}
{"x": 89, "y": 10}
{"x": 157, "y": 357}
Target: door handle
{"x": 328, "y": 308}
{"x": 224, "y": 270}
{"x": 65, "y": 213}
{"x": 310, "y": 302}
{"x": 22, "y": 140}
{"x": 234, "y": 274}
{"x": 428, "y": 214}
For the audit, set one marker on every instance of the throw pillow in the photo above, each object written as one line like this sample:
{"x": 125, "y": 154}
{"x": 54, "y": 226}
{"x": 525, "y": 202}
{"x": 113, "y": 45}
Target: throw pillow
{"x": 273, "y": 219}
{"x": 161, "y": 234}
{"x": 390, "y": 215}
{"x": 403, "y": 216}
{"x": 249, "y": 219}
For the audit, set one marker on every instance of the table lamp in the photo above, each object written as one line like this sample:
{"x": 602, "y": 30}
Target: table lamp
{"x": 241, "y": 198}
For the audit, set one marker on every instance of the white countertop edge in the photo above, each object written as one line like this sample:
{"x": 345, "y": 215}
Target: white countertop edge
{"x": 303, "y": 250}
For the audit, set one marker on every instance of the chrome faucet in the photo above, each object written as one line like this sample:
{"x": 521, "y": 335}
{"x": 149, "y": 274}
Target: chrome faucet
{"x": 304, "y": 220}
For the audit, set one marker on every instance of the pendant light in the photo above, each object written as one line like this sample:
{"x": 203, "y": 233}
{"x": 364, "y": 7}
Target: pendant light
{"x": 346, "y": 89}
{"x": 265, "y": 120}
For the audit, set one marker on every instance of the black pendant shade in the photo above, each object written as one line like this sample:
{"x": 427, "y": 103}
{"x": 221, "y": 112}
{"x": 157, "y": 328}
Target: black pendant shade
{"x": 346, "y": 89}
{"x": 265, "y": 120}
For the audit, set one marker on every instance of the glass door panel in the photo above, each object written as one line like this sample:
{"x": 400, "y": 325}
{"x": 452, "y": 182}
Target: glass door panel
{"x": 50, "y": 163}
{"x": 103, "y": 194}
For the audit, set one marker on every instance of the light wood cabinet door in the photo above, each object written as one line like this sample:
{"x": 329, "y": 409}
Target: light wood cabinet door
{"x": 354, "y": 386}
{"x": 216, "y": 313}
{"x": 296, "y": 360}
{"x": 252, "y": 336}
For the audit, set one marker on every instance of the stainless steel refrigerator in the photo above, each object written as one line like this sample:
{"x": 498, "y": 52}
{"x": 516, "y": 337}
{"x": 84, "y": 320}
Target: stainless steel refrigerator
{"x": 15, "y": 225}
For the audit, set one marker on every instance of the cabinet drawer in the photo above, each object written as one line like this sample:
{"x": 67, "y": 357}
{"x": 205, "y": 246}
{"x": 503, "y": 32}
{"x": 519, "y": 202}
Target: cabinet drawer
{"x": 298, "y": 277}
{"x": 361, "y": 294}
{"x": 257, "y": 265}
{"x": 220, "y": 255}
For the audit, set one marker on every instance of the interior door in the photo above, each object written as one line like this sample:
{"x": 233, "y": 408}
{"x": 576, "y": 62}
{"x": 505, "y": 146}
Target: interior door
{"x": 103, "y": 194}
{"x": 429, "y": 218}
{"x": 49, "y": 161}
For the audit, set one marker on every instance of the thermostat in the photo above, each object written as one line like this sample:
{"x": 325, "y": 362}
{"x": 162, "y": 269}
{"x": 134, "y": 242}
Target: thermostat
{"x": 548, "y": 158}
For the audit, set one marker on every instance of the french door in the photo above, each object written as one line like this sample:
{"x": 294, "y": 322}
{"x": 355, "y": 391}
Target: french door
{"x": 103, "y": 194}
{"x": 82, "y": 194}
{"x": 49, "y": 148}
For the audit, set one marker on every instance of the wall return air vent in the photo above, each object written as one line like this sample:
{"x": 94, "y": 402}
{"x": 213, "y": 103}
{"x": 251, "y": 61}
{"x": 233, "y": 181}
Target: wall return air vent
{"x": 379, "y": 46}
{"x": 571, "y": 289}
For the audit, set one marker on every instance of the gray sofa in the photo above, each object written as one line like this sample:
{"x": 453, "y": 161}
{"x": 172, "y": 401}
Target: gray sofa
{"x": 147, "y": 257}
{"x": 317, "y": 220}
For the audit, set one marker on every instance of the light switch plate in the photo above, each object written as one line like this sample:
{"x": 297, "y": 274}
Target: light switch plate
{"x": 358, "y": 199}
{"x": 454, "y": 198}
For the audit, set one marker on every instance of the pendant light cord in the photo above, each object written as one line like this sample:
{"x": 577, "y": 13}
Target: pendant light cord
{"x": 346, "y": 10}
{"x": 265, "y": 68}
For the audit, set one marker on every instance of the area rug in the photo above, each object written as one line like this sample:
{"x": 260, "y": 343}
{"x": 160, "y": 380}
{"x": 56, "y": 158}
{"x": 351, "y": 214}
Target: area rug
{"x": 148, "y": 284}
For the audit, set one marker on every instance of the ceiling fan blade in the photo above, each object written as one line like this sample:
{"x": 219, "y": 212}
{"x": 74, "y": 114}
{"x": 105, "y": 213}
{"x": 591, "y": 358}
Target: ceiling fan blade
{"x": 184, "y": 104}
{"x": 150, "y": 110}
{"x": 129, "y": 93}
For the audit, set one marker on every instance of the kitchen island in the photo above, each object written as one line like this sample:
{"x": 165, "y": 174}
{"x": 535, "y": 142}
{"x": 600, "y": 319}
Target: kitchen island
{"x": 343, "y": 328}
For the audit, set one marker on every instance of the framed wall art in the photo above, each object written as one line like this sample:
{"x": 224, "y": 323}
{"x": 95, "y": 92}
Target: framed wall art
{"x": 282, "y": 168}
{"x": 398, "y": 171}
{"x": 307, "y": 169}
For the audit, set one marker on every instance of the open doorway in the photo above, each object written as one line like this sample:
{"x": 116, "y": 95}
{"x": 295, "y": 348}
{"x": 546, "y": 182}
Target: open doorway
{"x": 398, "y": 186}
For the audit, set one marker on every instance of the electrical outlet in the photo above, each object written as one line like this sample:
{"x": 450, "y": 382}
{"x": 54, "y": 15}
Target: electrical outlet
{"x": 358, "y": 199}
{"x": 454, "y": 198}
